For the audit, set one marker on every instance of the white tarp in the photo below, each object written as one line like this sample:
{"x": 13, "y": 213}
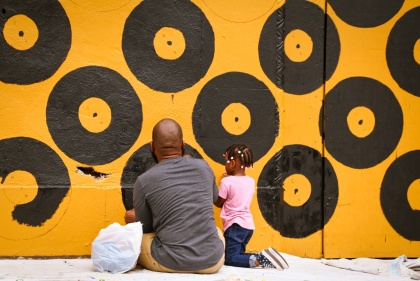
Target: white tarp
{"x": 400, "y": 266}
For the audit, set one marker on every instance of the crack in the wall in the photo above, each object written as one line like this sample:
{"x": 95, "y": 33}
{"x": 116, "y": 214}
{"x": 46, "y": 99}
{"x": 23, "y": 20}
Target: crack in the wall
{"x": 89, "y": 171}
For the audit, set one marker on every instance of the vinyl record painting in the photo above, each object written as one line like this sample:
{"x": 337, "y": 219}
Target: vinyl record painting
{"x": 297, "y": 218}
{"x": 235, "y": 108}
{"x": 326, "y": 93}
{"x": 168, "y": 45}
{"x": 33, "y": 44}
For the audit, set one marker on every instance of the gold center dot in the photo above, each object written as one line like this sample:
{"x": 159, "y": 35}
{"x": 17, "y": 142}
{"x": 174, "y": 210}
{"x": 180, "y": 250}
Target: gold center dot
{"x": 361, "y": 121}
{"x": 95, "y": 115}
{"x": 413, "y": 195}
{"x": 298, "y": 45}
{"x": 236, "y": 118}
{"x": 20, "y": 187}
{"x": 297, "y": 190}
{"x": 416, "y": 51}
{"x": 20, "y": 32}
{"x": 169, "y": 43}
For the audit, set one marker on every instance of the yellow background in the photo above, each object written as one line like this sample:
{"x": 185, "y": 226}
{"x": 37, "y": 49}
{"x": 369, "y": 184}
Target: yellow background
{"x": 358, "y": 226}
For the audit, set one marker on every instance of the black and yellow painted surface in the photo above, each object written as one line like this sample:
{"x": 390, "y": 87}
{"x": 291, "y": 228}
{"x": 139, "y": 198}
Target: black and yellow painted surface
{"x": 326, "y": 92}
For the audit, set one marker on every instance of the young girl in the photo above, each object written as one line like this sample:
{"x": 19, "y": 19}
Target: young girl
{"x": 235, "y": 196}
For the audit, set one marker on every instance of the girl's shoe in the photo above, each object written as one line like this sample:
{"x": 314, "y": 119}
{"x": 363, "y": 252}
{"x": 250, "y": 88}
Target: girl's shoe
{"x": 267, "y": 260}
{"x": 279, "y": 257}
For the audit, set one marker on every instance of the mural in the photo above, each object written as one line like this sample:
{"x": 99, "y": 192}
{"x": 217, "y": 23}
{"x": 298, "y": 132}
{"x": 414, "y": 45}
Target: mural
{"x": 243, "y": 104}
{"x": 326, "y": 92}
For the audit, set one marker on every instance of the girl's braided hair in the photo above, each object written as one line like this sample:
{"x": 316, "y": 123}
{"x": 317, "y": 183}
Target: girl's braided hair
{"x": 241, "y": 152}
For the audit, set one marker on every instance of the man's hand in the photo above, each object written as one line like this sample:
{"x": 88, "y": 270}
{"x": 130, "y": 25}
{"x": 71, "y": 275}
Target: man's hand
{"x": 130, "y": 216}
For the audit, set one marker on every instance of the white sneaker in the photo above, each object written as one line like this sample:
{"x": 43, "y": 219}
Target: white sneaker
{"x": 267, "y": 260}
{"x": 279, "y": 257}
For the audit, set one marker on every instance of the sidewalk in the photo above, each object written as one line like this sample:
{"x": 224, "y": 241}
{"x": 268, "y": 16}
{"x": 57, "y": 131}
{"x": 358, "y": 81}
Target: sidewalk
{"x": 81, "y": 269}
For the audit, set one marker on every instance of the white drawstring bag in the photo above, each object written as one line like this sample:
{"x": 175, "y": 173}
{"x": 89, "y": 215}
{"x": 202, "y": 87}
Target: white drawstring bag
{"x": 117, "y": 248}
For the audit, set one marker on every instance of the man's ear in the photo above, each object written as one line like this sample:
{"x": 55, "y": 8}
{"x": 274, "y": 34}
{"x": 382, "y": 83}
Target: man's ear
{"x": 152, "y": 147}
{"x": 182, "y": 145}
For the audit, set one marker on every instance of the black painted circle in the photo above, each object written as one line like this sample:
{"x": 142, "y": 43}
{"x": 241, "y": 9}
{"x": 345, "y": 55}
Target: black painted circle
{"x": 301, "y": 221}
{"x": 333, "y": 47}
{"x": 64, "y": 124}
{"x": 46, "y": 166}
{"x": 217, "y": 94}
{"x": 340, "y": 142}
{"x": 362, "y": 13}
{"x": 301, "y": 77}
{"x": 162, "y": 74}
{"x": 141, "y": 161}
{"x": 50, "y": 50}
{"x": 394, "y": 202}
{"x": 399, "y": 52}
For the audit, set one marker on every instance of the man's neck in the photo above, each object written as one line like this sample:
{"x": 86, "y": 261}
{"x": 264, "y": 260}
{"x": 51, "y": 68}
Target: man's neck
{"x": 169, "y": 156}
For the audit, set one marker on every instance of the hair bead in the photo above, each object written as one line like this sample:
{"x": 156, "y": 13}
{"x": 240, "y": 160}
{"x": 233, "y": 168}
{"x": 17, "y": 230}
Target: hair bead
{"x": 245, "y": 155}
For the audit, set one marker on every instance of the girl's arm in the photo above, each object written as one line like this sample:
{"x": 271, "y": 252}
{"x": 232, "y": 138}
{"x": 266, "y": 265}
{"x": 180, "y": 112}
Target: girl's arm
{"x": 219, "y": 202}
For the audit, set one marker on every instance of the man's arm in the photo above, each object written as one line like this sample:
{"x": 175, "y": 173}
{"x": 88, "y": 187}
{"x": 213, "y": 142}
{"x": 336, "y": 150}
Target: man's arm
{"x": 142, "y": 212}
{"x": 215, "y": 192}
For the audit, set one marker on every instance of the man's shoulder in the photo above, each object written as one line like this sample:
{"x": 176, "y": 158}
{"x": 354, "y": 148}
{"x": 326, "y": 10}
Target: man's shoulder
{"x": 201, "y": 163}
{"x": 149, "y": 174}
{"x": 158, "y": 171}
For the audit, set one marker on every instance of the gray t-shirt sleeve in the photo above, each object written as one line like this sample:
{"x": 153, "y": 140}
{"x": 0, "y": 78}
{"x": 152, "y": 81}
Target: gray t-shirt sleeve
{"x": 141, "y": 209}
{"x": 215, "y": 188}
{"x": 215, "y": 192}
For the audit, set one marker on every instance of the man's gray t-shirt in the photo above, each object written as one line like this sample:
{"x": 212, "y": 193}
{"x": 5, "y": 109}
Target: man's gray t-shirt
{"x": 175, "y": 200}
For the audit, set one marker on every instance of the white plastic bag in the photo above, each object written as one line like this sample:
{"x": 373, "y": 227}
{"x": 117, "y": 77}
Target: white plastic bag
{"x": 117, "y": 248}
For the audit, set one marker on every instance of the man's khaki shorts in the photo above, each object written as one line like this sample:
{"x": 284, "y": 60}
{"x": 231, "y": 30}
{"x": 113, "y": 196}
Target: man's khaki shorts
{"x": 146, "y": 259}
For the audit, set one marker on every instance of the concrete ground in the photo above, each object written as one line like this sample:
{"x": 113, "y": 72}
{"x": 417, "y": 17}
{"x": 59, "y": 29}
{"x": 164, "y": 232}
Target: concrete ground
{"x": 81, "y": 269}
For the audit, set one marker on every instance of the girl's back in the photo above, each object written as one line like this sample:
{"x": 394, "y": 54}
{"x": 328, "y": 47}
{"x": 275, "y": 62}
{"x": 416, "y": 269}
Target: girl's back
{"x": 238, "y": 192}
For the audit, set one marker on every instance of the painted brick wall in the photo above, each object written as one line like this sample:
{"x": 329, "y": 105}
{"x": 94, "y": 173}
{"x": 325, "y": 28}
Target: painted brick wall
{"x": 327, "y": 93}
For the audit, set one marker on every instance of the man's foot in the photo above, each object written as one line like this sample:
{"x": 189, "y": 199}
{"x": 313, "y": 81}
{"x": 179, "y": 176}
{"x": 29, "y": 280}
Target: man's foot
{"x": 267, "y": 260}
{"x": 279, "y": 257}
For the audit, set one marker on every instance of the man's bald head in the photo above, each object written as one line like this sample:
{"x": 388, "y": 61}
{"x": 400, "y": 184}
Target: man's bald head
{"x": 167, "y": 139}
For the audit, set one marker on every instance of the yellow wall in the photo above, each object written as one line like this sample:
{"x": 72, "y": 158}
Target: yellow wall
{"x": 358, "y": 225}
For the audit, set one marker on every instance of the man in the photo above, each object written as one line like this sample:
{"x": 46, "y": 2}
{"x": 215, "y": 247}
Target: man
{"x": 174, "y": 202}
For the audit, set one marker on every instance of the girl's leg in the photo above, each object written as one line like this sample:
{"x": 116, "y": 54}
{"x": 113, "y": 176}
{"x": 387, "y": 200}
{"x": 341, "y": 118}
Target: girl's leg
{"x": 236, "y": 239}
